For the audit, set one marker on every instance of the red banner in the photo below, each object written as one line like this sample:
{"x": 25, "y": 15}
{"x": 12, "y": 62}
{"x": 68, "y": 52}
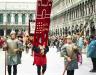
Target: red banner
{"x": 42, "y": 22}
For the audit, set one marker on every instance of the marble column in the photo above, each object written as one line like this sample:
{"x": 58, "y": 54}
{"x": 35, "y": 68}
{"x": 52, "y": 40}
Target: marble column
{"x": 34, "y": 17}
{"x": 89, "y": 29}
{"x": 5, "y": 18}
{"x": 27, "y": 19}
{"x": 12, "y": 18}
{"x": 79, "y": 11}
{"x": 5, "y": 23}
{"x": 5, "y": 32}
{"x": 20, "y": 19}
{"x": 95, "y": 6}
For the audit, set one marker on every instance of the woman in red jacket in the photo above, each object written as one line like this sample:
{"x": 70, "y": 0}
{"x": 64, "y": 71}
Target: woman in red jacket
{"x": 40, "y": 59}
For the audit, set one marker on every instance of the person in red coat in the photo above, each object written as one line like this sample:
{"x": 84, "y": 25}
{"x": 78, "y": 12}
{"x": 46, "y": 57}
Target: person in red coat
{"x": 40, "y": 59}
{"x": 1, "y": 42}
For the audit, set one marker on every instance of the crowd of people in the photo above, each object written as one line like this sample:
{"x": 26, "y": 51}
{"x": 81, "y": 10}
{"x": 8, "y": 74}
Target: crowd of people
{"x": 70, "y": 47}
{"x": 15, "y": 44}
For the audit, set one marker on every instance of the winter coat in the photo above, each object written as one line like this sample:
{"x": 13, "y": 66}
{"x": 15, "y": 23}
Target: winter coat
{"x": 91, "y": 49}
{"x": 70, "y": 52}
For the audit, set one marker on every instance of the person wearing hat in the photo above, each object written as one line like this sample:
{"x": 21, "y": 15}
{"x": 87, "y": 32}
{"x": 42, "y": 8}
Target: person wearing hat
{"x": 12, "y": 50}
{"x": 70, "y": 56}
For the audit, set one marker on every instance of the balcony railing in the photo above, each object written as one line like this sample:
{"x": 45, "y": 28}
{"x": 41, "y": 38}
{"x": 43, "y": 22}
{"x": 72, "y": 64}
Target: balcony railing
{"x": 4, "y": 23}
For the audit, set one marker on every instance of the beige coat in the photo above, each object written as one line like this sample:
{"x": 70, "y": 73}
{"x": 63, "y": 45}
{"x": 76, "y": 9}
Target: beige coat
{"x": 69, "y": 50}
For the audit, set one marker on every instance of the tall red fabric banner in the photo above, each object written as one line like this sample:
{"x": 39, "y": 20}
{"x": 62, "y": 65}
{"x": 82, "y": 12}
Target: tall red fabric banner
{"x": 42, "y": 22}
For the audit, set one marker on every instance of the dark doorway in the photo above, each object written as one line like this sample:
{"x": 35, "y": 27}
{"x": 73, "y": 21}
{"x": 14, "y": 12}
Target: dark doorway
{"x": 1, "y": 32}
{"x": 92, "y": 28}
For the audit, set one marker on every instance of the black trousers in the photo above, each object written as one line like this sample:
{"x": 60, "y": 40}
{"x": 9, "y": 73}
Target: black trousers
{"x": 39, "y": 69}
{"x": 70, "y": 72}
{"x": 14, "y": 69}
{"x": 94, "y": 63}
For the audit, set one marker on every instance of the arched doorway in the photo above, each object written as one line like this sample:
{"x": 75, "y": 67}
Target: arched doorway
{"x": 1, "y": 32}
{"x": 69, "y": 30}
{"x": 72, "y": 29}
{"x": 63, "y": 31}
{"x": 76, "y": 29}
{"x": 66, "y": 31}
{"x": 56, "y": 32}
{"x": 81, "y": 28}
{"x": 8, "y": 31}
{"x": 92, "y": 28}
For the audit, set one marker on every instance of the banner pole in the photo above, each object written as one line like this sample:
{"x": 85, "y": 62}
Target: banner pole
{"x": 5, "y": 62}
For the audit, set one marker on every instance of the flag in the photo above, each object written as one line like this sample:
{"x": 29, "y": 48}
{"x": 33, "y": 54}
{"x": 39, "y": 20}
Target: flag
{"x": 42, "y": 22}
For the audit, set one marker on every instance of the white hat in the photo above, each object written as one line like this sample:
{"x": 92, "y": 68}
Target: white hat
{"x": 69, "y": 37}
{"x": 12, "y": 32}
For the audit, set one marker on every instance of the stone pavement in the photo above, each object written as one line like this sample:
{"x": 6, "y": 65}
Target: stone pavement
{"x": 55, "y": 64}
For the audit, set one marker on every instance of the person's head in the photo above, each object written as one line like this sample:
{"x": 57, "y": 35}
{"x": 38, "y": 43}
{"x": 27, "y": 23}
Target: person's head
{"x": 13, "y": 34}
{"x": 69, "y": 39}
{"x": 20, "y": 36}
{"x": 79, "y": 34}
{"x": 31, "y": 37}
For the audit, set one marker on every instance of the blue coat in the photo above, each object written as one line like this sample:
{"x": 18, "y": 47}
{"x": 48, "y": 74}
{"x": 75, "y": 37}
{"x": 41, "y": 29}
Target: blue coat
{"x": 91, "y": 51}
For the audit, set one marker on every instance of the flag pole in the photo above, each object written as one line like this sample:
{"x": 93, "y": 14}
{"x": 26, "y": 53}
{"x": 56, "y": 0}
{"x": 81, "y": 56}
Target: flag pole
{"x": 6, "y": 50}
{"x": 5, "y": 41}
{"x": 5, "y": 62}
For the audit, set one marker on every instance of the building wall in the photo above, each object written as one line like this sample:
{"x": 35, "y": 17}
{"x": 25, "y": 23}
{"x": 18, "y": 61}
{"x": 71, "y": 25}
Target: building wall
{"x": 16, "y": 20}
{"x": 76, "y": 14}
